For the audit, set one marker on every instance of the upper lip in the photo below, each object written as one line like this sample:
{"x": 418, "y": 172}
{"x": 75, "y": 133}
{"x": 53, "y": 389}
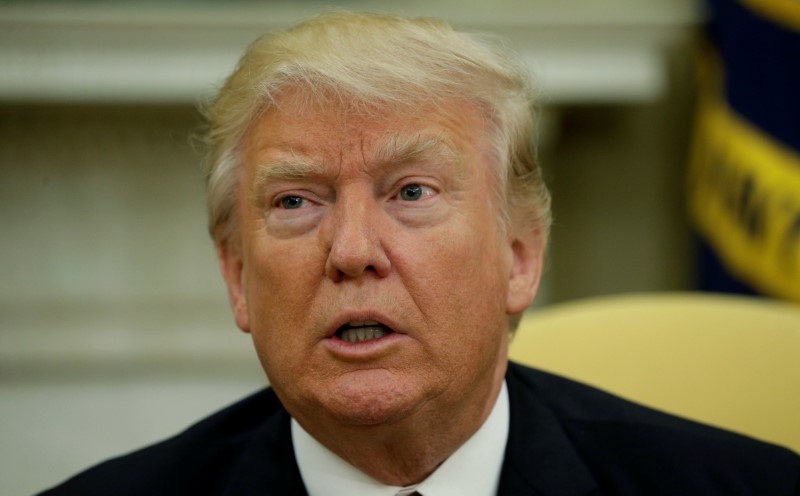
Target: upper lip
{"x": 345, "y": 317}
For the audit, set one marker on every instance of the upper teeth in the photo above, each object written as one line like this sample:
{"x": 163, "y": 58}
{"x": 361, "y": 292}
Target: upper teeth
{"x": 361, "y": 333}
{"x": 356, "y": 323}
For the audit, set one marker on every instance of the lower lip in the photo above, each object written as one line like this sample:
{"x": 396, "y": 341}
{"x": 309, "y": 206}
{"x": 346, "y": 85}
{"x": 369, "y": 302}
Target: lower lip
{"x": 364, "y": 350}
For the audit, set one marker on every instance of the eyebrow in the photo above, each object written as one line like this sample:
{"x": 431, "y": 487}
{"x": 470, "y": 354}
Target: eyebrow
{"x": 401, "y": 149}
{"x": 394, "y": 150}
{"x": 286, "y": 169}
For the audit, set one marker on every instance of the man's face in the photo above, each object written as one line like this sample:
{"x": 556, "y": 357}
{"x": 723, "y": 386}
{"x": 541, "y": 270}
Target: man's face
{"x": 372, "y": 269}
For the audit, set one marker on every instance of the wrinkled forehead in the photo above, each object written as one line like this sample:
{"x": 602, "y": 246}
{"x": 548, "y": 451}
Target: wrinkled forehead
{"x": 349, "y": 106}
{"x": 302, "y": 122}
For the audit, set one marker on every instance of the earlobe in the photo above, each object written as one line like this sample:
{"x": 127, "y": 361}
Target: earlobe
{"x": 526, "y": 272}
{"x": 231, "y": 265}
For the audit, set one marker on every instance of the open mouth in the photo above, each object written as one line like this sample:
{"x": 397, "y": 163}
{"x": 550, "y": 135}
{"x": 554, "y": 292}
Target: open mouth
{"x": 358, "y": 332}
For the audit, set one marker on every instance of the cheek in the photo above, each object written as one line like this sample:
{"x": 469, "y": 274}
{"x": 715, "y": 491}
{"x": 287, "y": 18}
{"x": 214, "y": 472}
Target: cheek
{"x": 469, "y": 266}
{"x": 280, "y": 285}
{"x": 282, "y": 294}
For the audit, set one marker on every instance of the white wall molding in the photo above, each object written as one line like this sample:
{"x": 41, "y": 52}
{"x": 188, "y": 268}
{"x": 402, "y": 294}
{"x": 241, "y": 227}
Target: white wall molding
{"x": 608, "y": 51}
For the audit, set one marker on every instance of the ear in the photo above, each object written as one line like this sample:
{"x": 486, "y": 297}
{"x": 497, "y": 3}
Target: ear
{"x": 229, "y": 254}
{"x": 526, "y": 271}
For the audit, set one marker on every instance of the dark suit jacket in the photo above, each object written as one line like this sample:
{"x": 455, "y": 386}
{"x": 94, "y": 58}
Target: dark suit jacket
{"x": 565, "y": 439}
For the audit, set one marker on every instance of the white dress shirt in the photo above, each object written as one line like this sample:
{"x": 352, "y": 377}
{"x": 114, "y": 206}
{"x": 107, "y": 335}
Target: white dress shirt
{"x": 473, "y": 470}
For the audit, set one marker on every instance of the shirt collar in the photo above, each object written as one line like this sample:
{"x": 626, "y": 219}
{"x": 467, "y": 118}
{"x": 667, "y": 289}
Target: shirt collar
{"x": 472, "y": 470}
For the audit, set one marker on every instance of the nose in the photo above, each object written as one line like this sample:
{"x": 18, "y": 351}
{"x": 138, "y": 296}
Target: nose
{"x": 353, "y": 235}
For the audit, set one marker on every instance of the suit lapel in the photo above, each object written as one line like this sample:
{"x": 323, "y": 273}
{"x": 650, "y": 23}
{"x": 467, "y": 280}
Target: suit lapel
{"x": 540, "y": 459}
{"x": 268, "y": 466}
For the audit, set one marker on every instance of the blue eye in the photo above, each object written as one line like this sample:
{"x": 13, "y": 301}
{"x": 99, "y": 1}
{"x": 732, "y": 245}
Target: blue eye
{"x": 411, "y": 192}
{"x": 291, "y": 202}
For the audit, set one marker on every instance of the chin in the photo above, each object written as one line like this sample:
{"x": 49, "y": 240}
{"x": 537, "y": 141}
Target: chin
{"x": 371, "y": 399}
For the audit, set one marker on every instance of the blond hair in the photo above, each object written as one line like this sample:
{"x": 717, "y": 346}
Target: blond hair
{"x": 375, "y": 60}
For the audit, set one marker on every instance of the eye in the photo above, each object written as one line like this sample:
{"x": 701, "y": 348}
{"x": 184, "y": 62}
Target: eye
{"x": 414, "y": 192}
{"x": 291, "y": 202}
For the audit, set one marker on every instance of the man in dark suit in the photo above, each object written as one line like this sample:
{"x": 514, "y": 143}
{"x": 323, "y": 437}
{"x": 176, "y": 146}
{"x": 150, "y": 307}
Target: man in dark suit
{"x": 381, "y": 222}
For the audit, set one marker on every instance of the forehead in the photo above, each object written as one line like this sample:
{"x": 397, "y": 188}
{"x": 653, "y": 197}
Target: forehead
{"x": 331, "y": 129}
